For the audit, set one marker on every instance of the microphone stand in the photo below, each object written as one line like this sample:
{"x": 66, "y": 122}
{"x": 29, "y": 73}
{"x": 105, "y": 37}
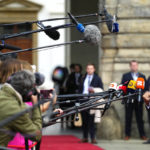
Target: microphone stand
{"x": 5, "y": 37}
{"x": 73, "y": 111}
{"x": 102, "y": 13}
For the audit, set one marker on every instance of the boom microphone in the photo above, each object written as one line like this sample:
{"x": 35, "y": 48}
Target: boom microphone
{"x": 112, "y": 25}
{"x": 92, "y": 35}
{"x": 6, "y": 46}
{"x": 111, "y": 89}
{"x": 140, "y": 85}
{"x": 79, "y": 26}
{"x": 52, "y": 33}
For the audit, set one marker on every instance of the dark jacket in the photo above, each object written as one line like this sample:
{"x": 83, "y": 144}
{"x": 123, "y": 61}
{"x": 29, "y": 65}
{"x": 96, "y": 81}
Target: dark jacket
{"x": 71, "y": 85}
{"x": 128, "y": 77}
{"x": 96, "y": 82}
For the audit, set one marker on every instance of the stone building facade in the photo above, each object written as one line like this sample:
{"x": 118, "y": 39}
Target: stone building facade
{"x": 132, "y": 42}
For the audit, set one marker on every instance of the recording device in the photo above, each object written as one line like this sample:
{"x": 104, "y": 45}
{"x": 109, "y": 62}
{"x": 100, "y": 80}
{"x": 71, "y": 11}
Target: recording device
{"x": 39, "y": 80}
{"x": 45, "y": 93}
{"x": 112, "y": 25}
{"x": 121, "y": 90}
{"x": 111, "y": 89}
{"x": 7, "y": 46}
{"x": 140, "y": 85}
{"x": 52, "y": 33}
{"x": 59, "y": 74}
{"x": 131, "y": 88}
{"x": 10, "y": 47}
{"x": 92, "y": 34}
{"x": 79, "y": 26}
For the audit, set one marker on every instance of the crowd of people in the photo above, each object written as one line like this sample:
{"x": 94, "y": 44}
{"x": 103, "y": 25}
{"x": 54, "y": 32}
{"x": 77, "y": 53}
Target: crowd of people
{"x": 17, "y": 83}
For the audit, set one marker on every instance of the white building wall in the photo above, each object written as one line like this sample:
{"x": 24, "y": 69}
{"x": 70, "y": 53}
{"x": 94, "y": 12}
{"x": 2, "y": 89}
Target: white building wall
{"x": 49, "y": 58}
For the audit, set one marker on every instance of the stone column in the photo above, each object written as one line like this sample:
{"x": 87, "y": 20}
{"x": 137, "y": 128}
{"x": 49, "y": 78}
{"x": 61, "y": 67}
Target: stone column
{"x": 132, "y": 42}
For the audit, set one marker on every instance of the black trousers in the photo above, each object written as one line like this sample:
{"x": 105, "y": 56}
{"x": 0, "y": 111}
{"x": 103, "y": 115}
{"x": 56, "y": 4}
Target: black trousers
{"x": 138, "y": 107}
{"x": 88, "y": 125}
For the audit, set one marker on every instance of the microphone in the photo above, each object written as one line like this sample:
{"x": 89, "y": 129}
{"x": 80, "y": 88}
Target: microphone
{"x": 79, "y": 26}
{"x": 7, "y": 46}
{"x": 131, "y": 86}
{"x": 112, "y": 88}
{"x": 92, "y": 35}
{"x": 112, "y": 25}
{"x": 39, "y": 78}
{"x": 140, "y": 85}
{"x": 121, "y": 90}
{"x": 52, "y": 33}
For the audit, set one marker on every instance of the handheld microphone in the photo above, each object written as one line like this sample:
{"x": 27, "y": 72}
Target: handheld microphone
{"x": 140, "y": 85}
{"x": 7, "y": 46}
{"x": 92, "y": 34}
{"x": 112, "y": 25}
{"x": 79, "y": 26}
{"x": 131, "y": 86}
{"x": 121, "y": 90}
{"x": 52, "y": 33}
{"x": 112, "y": 88}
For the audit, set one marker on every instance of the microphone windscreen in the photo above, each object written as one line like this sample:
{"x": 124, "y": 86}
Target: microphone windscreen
{"x": 140, "y": 83}
{"x": 92, "y": 34}
{"x": 39, "y": 78}
{"x": 52, "y": 33}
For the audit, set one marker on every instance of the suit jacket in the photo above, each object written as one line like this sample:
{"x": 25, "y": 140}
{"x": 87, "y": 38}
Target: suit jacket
{"x": 96, "y": 82}
{"x": 71, "y": 85}
{"x": 128, "y": 77}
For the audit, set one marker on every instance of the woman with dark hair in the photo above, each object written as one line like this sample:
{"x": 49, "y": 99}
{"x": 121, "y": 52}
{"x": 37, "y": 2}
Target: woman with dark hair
{"x": 11, "y": 102}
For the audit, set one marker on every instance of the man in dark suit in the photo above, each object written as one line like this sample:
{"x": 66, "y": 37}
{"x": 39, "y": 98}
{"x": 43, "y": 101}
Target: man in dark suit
{"x": 74, "y": 79}
{"x": 90, "y": 80}
{"x": 133, "y": 104}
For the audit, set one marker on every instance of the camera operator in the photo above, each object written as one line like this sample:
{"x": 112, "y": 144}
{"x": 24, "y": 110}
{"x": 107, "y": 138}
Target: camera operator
{"x": 11, "y": 102}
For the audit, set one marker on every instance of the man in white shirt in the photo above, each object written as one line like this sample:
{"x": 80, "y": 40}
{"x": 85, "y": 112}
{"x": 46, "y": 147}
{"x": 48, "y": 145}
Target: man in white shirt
{"x": 90, "y": 80}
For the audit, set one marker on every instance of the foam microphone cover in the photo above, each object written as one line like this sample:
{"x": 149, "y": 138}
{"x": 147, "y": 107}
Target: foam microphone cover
{"x": 92, "y": 34}
{"x": 52, "y": 33}
{"x": 39, "y": 78}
